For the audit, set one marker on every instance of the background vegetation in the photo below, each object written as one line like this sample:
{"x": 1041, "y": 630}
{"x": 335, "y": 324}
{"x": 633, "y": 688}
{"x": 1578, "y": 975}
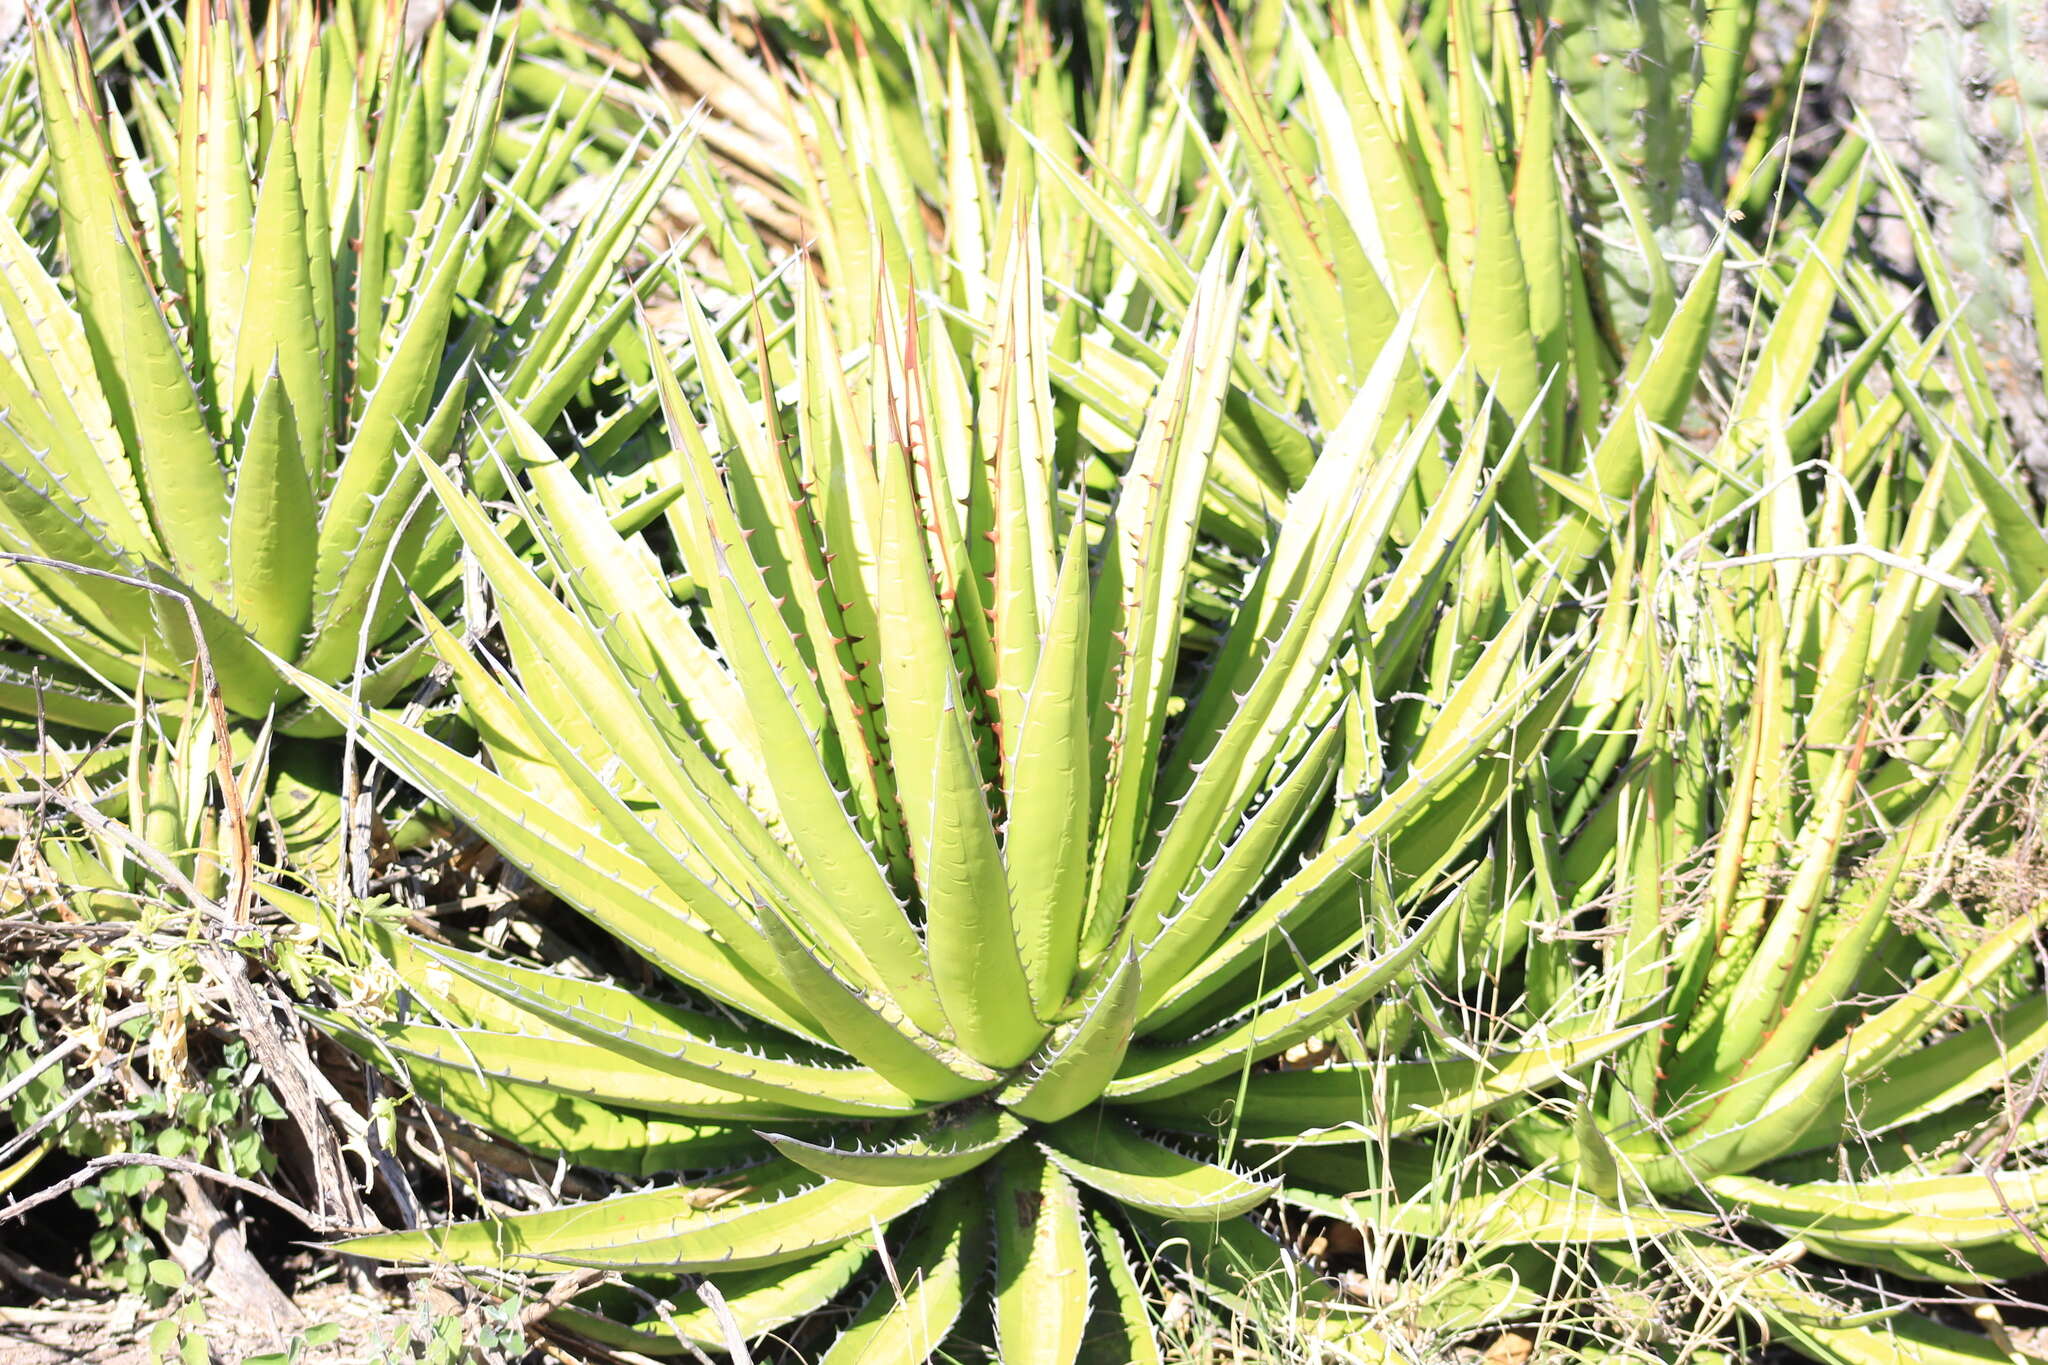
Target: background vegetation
{"x": 1024, "y": 682}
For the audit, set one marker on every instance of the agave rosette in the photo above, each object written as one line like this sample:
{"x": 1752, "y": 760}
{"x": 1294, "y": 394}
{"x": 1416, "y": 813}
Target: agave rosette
{"x": 925, "y": 793}
{"x": 280, "y": 273}
{"x": 1816, "y": 704}
{"x": 1390, "y": 161}
{"x": 1784, "y": 883}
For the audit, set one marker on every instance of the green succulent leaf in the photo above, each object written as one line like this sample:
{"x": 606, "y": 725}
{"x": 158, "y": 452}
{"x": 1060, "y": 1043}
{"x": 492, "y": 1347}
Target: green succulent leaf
{"x": 907, "y": 1318}
{"x": 1043, "y": 1283}
{"x": 783, "y": 1215}
{"x": 936, "y": 1149}
{"x": 1107, "y": 1154}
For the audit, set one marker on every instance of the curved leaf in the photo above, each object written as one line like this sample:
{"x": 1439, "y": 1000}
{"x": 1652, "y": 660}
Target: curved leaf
{"x": 1103, "y": 1151}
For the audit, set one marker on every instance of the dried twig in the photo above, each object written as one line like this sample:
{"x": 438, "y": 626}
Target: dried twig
{"x": 98, "y": 1166}
{"x": 563, "y": 1290}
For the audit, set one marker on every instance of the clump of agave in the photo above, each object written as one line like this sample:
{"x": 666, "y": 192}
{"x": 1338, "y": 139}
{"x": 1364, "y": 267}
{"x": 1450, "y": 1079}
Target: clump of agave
{"x": 953, "y": 866}
{"x": 996, "y": 835}
{"x": 1190, "y": 679}
{"x": 275, "y": 276}
{"x": 1781, "y": 874}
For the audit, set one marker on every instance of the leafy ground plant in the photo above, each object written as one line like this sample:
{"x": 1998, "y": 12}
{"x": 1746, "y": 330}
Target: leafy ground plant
{"x": 121, "y": 1091}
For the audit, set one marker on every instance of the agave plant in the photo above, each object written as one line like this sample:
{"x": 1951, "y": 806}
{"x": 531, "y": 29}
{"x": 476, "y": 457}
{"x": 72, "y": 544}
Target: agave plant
{"x": 1138, "y": 873}
{"x": 1845, "y": 1011}
{"x": 275, "y": 277}
{"x": 1414, "y": 143}
{"x": 156, "y": 822}
{"x": 956, "y": 862}
{"x": 1048, "y": 705}
{"x": 1793, "y": 861}
{"x": 1444, "y": 171}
